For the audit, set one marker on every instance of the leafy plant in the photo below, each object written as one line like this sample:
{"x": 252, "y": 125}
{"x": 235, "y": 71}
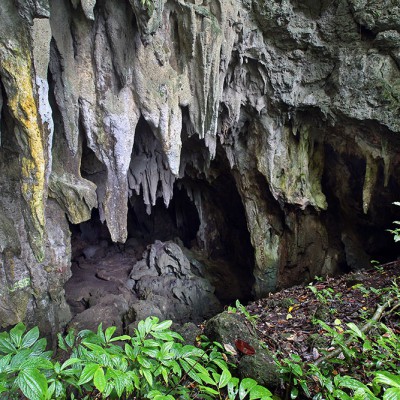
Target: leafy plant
{"x": 153, "y": 363}
{"x": 395, "y": 231}
{"x": 24, "y": 364}
{"x": 240, "y": 308}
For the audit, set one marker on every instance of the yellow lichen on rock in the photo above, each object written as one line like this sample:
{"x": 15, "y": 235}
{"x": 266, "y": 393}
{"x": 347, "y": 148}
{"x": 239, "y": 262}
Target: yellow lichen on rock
{"x": 21, "y": 102}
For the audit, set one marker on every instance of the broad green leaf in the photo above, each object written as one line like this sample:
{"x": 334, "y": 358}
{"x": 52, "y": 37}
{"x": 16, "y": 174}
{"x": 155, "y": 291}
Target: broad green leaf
{"x": 20, "y": 357}
{"x": 32, "y": 383}
{"x": 4, "y": 361}
{"x": 245, "y": 386}
{"x": 99, "y": 380}
{"x": 61, "y": 343}
{"x": 141, "y": 329}
{"x": 6, "y": 345}
{"x": 294, "y": 393}
{"x": 351, "y": 383}
{"x": 392, "y": 394}
{"x": 109, "y": 332}
{"x": 207, "y": 389}
{"x": 189, "y": 370}
{"x": 152, "y": 343}
{"x": 129, "y": 351}
{"x": 16, "y": 334}
{"x": 296, "y": 369}
{"x": 356, "y": 330}
{"x": 39, "y": 347}
{"x": 162, "y": 325}
{"x": 164, "y": 373}
{"x": 119, "y": 384}
{"x": 152, "y": 352}
{"x": 36, "y": 362}
{"x": 225, "y": 378}
{"x": 148, "y": 376}
{"x": 87, "y": 373}
{"x": 120, "y": 338}
{"x": 144, "y": 362}
{"x": 59, "y": 389}
{"x": 340, "y": 394}
{"x": 95, "y": 347}
{"x": 50, "y": 391}
{"x": 260, "y": 392}
{"x": 100, "y": 333}
{"x": 233, "y": 388}
{"x": 166, "y": 336}
{"x": 206, "y": 378}
{"x": 148, "y": 324}
{"x": 70, "y": 338}
{"x": 70, "y": 361}
{"x": 387, "y": 378}
{"x": 30, "y": 337}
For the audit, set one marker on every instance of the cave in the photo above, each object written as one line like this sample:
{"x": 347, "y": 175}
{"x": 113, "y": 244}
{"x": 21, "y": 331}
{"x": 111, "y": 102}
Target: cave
{"x": 204, "y": 222}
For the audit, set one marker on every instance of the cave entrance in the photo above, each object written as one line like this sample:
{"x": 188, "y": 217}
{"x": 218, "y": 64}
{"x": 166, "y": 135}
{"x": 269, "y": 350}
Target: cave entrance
{"x": 184, "y": 261}
{"x": 204, "y": 234}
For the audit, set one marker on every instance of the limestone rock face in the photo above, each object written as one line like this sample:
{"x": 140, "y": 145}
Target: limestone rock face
{"x": 285, "y": 111}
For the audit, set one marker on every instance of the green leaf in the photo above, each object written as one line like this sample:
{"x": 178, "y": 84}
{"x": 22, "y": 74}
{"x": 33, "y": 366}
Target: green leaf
{"x": 387, "y": 378}
{"x": 233, "y": 388}
{"x": 87, "y": 373}
{"x": 245, "y": 386}
{"x": 39, "y": 347}
{"x": 392, "y": 394}
{"x": 32, "y": 383}
{"x": 99, "y": 380}
{"x": 206, "y": 389}
{"x": 294, "y": 393}
{"x": 296, "y": 369}
{"x": 206, "y": 378}
{"x": 260, "y": 392}
{"x": 4, "y": 361}
{"x": 225, "y": 378}
{"x": 61, "y": 343}
{"x": 36, "y": 362}
{"x": 118, "y": 338}
{"x": 148, "y": 324}
{"x": 129, "y": 351}
{"x": 353, "y": 384}
{"x": 109, "y": 332}
{"x": 19, "y": 358}
{"x": 69, "y": 362}
{"x": 30, "y": 337}
{"x": 144, "y": 362}
{"x": 59, "y": 389}
{"x": 141, "y": 329}
{"x": 16, "y": 334}
{"x": 100, "y": 333}
{"x": 356, "y": 330}
{"x": 50, "y": 391}
{"x": 148, "y": 376}
{"x": 162, "y": 326}
{"x": 6, "y": 346}
{"x": 70, "y": 338}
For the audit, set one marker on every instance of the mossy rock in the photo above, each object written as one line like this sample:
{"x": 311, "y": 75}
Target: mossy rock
{"x": 226, "y": 328}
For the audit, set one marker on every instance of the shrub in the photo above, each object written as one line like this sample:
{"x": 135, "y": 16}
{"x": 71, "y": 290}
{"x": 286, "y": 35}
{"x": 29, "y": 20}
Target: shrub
{"x": 153, "y": 364}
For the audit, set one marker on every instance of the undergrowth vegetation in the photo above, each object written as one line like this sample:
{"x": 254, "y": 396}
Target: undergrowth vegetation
{"x": 151, "y": 364}
{"x": 359, "y": 362}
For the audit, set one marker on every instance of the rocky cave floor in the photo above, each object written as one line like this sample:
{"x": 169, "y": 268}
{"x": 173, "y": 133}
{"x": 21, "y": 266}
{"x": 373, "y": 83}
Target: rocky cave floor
{"x": 286, "y": 321}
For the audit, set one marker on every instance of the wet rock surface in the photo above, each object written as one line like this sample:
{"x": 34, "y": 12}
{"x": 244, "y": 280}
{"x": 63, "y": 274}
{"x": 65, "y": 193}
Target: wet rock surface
{"x": 118, "y": 290}
{"x": 277, "y": 122}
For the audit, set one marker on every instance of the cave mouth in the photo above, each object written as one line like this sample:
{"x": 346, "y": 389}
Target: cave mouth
{"x": 205, "y": 239}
